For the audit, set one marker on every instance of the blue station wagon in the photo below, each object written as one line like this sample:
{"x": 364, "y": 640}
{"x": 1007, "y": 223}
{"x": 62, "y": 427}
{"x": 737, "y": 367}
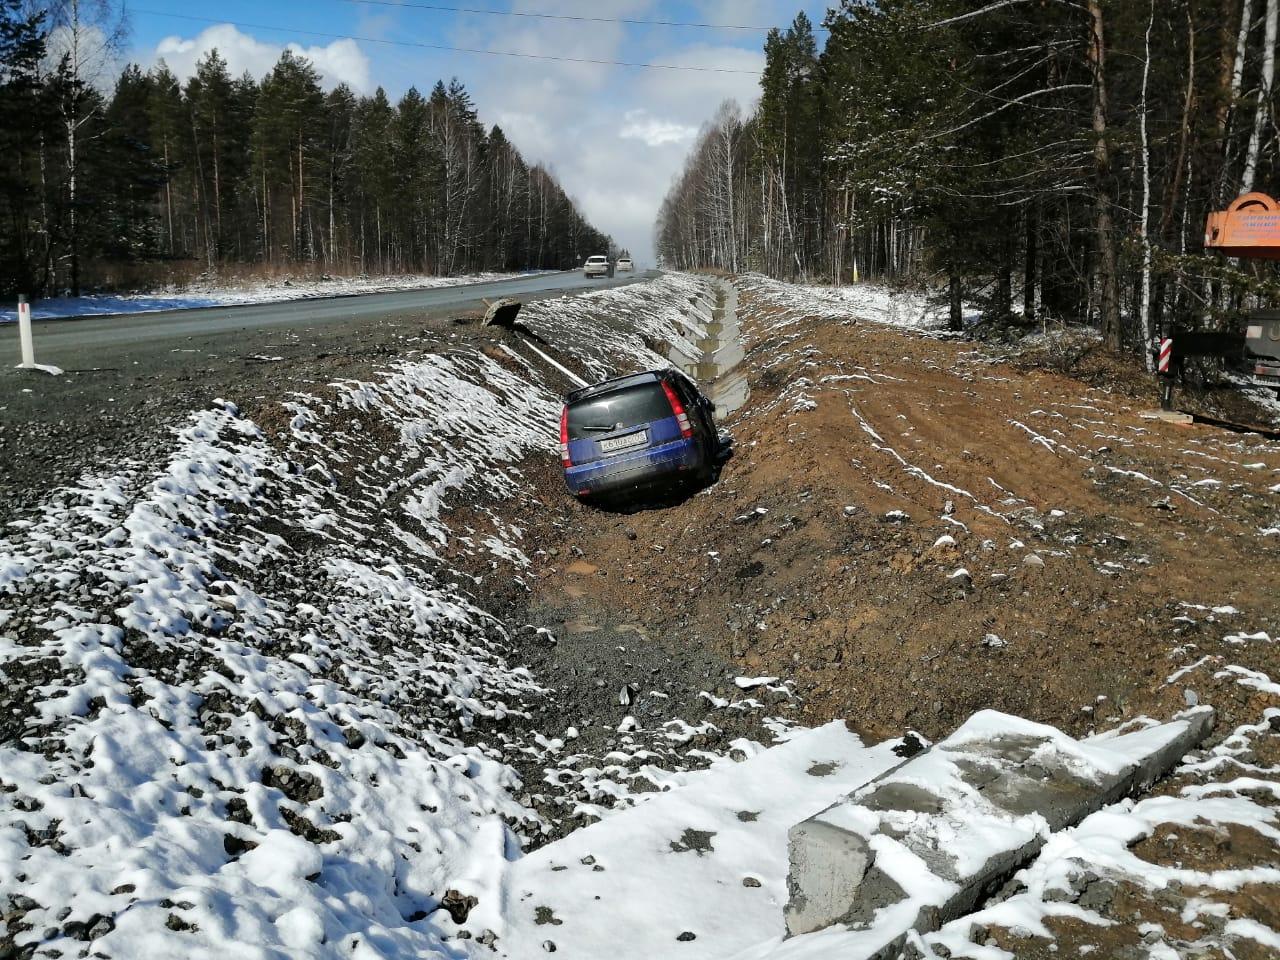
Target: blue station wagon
{"x": 636, "y": 432}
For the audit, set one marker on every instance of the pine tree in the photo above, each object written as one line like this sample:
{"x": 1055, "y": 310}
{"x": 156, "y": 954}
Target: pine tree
{"x": 22, "y": 48}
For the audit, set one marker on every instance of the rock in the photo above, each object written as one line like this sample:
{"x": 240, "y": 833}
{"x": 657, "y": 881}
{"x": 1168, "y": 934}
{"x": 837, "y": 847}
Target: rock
{"x": 911, "y": 745}
{"x": 549, "y": 946}
{"x": 458, "y": 905}
{"x": 687, "y": 936}
{"x": 234, "y": 846}
{"x": 750, "y": 882}
{"x": 354, "y": 738}
{"x": 1098, "y": 895}
{"x": 1033, "y": 560}
{"x": 298, "y": 785}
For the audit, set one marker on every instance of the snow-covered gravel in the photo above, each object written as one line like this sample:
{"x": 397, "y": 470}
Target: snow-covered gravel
{"x": 247, "y": 707}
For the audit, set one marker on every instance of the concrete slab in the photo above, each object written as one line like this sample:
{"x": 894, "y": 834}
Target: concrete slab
{"x": 1169, "y": 416}
{"x": 698, "y": 871}
{"x": 929, "y": 840}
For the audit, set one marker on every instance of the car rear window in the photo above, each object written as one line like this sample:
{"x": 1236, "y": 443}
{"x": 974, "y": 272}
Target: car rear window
{"x": 598, "y": 416}
{"x": 596, "y": 260}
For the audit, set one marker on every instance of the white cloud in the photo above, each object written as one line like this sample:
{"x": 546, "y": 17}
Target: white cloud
{"x": 341, "y": 61}
{"x": 614, "y": 136}
{"x": 654, "y": 132}
{"x": 99, "y": 63}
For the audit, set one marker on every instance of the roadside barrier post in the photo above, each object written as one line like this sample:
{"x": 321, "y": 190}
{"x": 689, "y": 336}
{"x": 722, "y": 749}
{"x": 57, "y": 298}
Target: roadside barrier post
{"x": 24, "y": 333}
{"x": 1164, "y": 358}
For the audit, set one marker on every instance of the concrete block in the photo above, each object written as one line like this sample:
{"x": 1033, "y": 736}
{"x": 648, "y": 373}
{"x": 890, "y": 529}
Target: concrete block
{"x": 1169, "y": 416}
{"x": 826, "y": 862}
{"x": 931, "y": 839}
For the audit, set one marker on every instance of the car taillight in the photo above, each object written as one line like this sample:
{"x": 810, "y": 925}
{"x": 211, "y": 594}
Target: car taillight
{"x": 677, "y": 408}
{"x": 564, "y": 438}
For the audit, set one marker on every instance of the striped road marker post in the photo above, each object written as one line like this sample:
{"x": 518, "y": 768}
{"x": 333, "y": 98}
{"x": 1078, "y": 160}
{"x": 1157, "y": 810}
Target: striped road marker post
{"x": 1164, "y": 360}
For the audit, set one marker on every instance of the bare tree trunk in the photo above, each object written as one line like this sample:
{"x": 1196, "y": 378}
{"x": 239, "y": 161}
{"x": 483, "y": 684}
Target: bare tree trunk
{"x": 217, "y": 200}
{"x": 73, "y": 126}
{"x": 956, "y": 317}
{"x": 168, "y": 192}
{"x": 1109, "y": 294}
{"x": 202, "y": 195}
{"x": 1030, "y": 263}
{"x": 1263, "y": 111}
{"x": 1145, "y": 308}
{"x": 1226, "y": 123}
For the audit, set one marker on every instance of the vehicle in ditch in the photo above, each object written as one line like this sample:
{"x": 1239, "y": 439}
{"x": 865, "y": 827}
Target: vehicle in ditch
{"x": 636, "y": 434}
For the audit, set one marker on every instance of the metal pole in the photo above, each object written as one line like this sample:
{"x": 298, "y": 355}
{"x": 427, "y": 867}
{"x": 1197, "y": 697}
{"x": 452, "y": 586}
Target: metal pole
{"x": 24, "y": 333}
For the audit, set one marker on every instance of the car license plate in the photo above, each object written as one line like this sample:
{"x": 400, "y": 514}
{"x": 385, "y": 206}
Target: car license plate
{"x": 623, "y": 443}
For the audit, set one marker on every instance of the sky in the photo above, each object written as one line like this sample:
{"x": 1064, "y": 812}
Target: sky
{"x": 614, "y": 136}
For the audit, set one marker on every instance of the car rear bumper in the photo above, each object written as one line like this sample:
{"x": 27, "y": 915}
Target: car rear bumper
{"x": 596, "y": 272}
{"x": 637, "y": 469}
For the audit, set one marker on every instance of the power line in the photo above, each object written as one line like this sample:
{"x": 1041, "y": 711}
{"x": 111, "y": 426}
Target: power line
{"x": 440, "y": 46}
{"x": 442, "y": 8}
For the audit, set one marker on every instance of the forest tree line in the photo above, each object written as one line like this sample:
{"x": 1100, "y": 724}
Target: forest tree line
{"x": 221, "y": 170}
{"x": 1051, "y": 160}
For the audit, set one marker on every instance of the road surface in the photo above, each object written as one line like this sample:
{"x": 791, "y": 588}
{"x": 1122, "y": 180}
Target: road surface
{"x": 102, "y": 341}
{"x": 128, "y": 378}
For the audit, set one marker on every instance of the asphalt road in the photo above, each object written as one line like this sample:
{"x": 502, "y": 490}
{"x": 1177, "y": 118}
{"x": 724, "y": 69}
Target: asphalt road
{"x": 101, "y": 341}
{"x": 129, "y": 379}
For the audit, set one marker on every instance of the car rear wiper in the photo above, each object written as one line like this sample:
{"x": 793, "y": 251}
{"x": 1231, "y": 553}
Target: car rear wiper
{"x": 603, "y": 428}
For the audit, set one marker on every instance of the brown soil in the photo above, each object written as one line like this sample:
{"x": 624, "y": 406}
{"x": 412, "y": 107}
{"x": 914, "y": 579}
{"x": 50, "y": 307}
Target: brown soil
{"x": 859, "y": 609}
{"x": 1094, "y": 551}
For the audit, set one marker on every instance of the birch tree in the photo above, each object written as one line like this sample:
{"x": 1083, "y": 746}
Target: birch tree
{"x": 1262, "y": 112}
{"x": 84, "y": 40}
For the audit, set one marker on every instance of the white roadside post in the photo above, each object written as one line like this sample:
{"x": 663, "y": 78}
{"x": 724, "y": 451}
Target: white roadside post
{"x": 24, "y": 333}
{"x": 28, "y": 348}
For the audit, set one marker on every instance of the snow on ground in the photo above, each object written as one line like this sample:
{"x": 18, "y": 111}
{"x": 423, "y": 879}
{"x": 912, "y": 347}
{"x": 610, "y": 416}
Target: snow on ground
{"x": 217, "y": 294}
{"x": 246, "y": 709}
{"x": 701, "y": 869}
{"x": 1223, "y": 792}
{"x": 860, "y": 301}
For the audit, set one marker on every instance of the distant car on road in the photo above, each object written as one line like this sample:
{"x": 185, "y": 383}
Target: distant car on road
{"x": 624, "y": 263}
{"x": 636, "y": 433}
{"x": 596, "y": 267}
